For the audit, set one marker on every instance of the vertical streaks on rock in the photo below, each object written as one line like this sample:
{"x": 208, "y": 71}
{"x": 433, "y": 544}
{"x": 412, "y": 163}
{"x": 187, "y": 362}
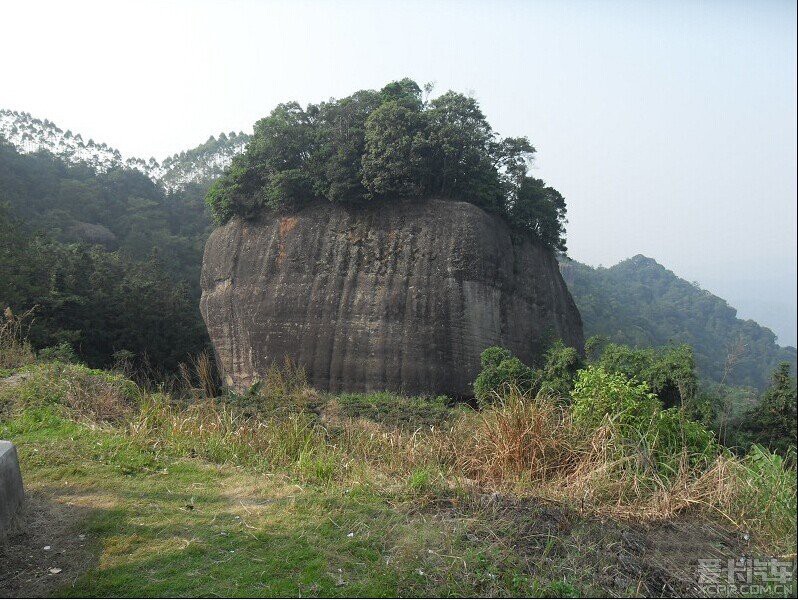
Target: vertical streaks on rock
{"x": 401, "y": 296}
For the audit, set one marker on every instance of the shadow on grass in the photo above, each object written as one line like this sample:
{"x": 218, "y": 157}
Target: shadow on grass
{"x": 27, "y": 569}
{"x": 129, "y": 542}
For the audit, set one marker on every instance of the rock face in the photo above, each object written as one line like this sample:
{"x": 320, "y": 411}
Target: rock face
{"x": 402, "y": 296}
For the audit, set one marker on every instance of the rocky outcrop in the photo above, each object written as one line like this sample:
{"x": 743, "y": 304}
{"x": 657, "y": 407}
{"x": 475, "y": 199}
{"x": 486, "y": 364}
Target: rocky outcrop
{"x": 402, "y": 296}
{"x": 92, "y": 233}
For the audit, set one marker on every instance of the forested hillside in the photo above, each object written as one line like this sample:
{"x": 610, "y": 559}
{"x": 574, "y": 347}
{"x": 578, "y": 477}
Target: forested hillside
{"x": 640, "y": 303}
{"x": 119, "y": 209}
{"x": 108, "y": 258}
{"x": 201, "y": 165}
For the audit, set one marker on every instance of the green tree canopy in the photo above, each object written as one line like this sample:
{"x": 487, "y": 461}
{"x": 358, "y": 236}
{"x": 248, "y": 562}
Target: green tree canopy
{"x": 381, "y": 146}
{"x": 772, "y": 423}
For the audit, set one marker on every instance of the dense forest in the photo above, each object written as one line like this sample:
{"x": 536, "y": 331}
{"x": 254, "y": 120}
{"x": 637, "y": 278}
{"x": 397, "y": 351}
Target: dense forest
{"x": 199, "y": 165}
{"x": 640, "y": 303}
{"x": 108, "y": 259}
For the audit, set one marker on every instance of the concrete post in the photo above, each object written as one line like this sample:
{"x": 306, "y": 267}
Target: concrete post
{"x": 11, "y": 492}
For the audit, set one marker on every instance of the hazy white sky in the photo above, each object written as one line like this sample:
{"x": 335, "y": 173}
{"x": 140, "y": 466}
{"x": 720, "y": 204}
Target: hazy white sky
{"x": 669, "y": 127}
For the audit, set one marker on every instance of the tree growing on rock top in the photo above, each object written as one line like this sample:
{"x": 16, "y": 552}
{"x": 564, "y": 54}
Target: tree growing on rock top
{"x": 379, "y": 146}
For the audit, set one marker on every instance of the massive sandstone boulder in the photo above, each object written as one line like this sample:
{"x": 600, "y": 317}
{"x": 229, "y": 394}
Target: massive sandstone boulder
{"x": 396, "y": 296}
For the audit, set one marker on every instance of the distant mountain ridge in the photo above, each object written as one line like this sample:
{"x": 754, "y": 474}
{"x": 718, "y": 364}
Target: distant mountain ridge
{"x": 199, "y": 165}
{"x": 641, "y": 303}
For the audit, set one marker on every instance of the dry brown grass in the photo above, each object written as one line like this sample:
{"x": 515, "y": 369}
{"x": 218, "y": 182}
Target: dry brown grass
{"x": 198, "y": 378}
{"x": 15, "y": 350}
{"x": 518, "y": 438}
{"x": 101, "y": 399}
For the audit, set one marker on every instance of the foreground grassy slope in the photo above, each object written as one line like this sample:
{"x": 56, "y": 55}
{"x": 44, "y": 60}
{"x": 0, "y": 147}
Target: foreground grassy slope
{"x": 289, "y": 493}
{"x": 158, "y": 526}
{"x": 135, "y": 522}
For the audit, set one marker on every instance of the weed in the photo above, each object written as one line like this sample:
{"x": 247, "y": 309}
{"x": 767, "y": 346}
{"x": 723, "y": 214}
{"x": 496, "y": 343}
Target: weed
{"x": 318, "y": 468}
{"x": 420, "y": 480}
{"x": 15, "y": 350}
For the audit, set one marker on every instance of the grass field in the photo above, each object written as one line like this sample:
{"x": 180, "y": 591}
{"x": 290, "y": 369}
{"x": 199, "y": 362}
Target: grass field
{"x": 135, "y": 494}
{"x": 138, "y": 523}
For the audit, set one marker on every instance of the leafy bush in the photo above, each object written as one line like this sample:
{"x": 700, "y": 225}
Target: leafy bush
{"x": 598, "y": 394}
{"x": 630, "y": 406}
{"x": 500, "y": 370}
{"x": 560, "y": 365}
{"x": 63, "y": 352}
{"x": 677, "y": 434}
{"x": 669, "y": 371}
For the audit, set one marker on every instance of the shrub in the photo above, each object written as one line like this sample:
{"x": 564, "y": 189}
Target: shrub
{"x": 669, "y": 371}
{"x": 63, "y": 352}
{"x": 598, "y": 394}
{"x": 772, "y": 422}
{"x": 501, "y": 370}
{"x": 666, "y": 436}
{"x": 677, "y": 434}
{"x": 560, "y": 365}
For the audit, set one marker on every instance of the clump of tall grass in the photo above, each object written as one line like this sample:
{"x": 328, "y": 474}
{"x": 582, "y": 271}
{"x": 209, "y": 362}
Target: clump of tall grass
{"x": 517, "y": 437}
{"x": 198, "y": 377}
{"x": 15, "y": 350}
{"x": 760, "y": 492}
{"x": 283, "y": 390}
{"x": 91, "y": 393}
{"x": 281, "y": 382}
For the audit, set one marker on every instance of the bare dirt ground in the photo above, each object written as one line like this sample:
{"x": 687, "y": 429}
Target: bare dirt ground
{"x": 45, "y": 548}
{"x": 656, "y": 559}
